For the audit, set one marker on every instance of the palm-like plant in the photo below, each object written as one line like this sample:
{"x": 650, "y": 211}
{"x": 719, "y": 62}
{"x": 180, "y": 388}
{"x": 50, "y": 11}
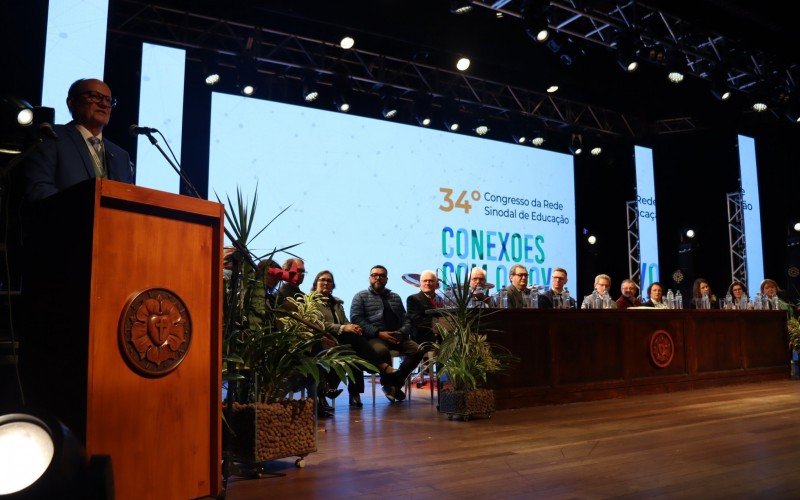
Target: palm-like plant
{"x": 464, "y": 354}
{"x": 269, "y": 351}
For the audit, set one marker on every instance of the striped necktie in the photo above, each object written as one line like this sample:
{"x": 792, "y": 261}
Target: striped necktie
{"x": 98, "y": 161}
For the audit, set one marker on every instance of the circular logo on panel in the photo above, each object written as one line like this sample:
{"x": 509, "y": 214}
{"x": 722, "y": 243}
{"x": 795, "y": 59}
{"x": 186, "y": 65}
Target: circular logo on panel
{"x": 155, "y": 332}
{"x": 662, "y": 348}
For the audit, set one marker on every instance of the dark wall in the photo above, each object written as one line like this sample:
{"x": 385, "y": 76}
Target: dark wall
{"x": 603, "y": 186}
{"x": 693, "y": 174}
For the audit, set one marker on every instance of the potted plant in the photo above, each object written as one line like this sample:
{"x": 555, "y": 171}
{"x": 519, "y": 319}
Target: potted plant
{"x": 465, "y": 357}
{"x": 793, "y": 325}
{"x": 271, "y": 351}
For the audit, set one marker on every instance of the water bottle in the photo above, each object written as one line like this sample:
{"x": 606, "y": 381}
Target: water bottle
{"x": 728, "y": 301}
{"x": 764, "y": 302}
{"x": 566, "y": 305}
{"x": 606, "y": 301}
{"x": 501, "y": 299}
{"x": 705, "y": 301}
{"x": 670, "y": 300}
{"x": 534, "y": 298}
{"x": 775, "y": 304}
{"x": 678, "y": 300}
{"x": 757, "y": 305}
{"x": 598, "y": 301}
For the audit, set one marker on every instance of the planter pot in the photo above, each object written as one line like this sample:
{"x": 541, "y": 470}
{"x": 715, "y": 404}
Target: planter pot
{"x": 466, "y": 404}
{"x": 268, "y": 431}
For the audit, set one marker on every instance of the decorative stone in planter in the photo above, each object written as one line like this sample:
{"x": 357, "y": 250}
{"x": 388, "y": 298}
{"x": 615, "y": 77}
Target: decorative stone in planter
{"x": 268, "y": 431}
{"x": 466, "y": 404}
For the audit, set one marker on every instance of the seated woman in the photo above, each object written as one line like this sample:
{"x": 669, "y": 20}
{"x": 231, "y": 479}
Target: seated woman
{"x": 337, "y": 324}
{"x": 770, "y": 290}
{"x": 655, "y": 292}
{"x": 701, "y": 289}
{"x": 738, "y": 292}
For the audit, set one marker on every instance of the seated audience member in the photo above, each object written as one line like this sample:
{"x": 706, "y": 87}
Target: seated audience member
{"x": 558, "y": 280}
{"x": 518, "y": 289}
{"x": 769, "y": 289}
{"x": 381, "y": 315}
{"x": 738, "y": 292}
{"x": 289, "y": 289}
{"x": 655, "y": 294}
{"x": 335, "y": 323}
{"x": 628, "y": 297}
{"x": 422, "y": 324}
{"x": 602, "y": 282}
{"x": 701, "y": 289}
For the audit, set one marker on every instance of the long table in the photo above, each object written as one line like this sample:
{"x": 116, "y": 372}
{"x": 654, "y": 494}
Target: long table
{"x": 567, "y": 355}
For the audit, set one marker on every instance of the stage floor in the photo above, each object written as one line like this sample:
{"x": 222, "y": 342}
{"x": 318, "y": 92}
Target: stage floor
{"x": 735, "y": 441}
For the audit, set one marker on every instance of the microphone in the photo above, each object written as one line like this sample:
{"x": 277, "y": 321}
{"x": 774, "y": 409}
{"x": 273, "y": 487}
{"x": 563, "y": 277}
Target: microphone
{"x": 137, "y": 130}
{"x": 47, "y": 129}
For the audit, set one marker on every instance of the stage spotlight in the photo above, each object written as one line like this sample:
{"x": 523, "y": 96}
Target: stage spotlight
{"x": 342, "y": 104}
{"x": 460, "y": 6}
{"x": 689, "y": 233}
{"x": 481, "y": 127}
{"x": 576, "y": 144}
{"x": 537, "y": 140}
{"x": 211, "y": 74}
{"x": 534, "y": 18}
{"x": 719, "y": 85}
{"x": 676, "y": 67}
{"x": 760, "y": 105}
{"x": 247, "y": 77}
{"x": 310, "y": 88}
{"x": 389, "y": 109}
{"x": 423, "y": 109}
{"x": 626, "y": 51}
{"x": 452, "y": 125}
{"x": 796, "y": 227}
{"x": 18, "y": 111}
{"x": 552, "y": 89}
{"x": 793, "y": 110}
{"x": 592, "y": 239}
{"x": 463, "y": 64}
{"x": 519, "y": 138}
{"x": 347, "y": 42}
{"x": 595, "y": 151}
{"x": 39, "y": 458}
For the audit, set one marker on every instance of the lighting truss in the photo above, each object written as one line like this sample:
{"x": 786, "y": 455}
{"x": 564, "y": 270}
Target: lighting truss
{"x": 285, "y": 55}
{"x": 704, "y": 51}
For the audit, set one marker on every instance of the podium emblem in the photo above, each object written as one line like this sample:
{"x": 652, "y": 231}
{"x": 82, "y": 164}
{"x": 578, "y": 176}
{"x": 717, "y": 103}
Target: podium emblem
{"x": 155, "y": 332}
{"x": 662, "y": 348}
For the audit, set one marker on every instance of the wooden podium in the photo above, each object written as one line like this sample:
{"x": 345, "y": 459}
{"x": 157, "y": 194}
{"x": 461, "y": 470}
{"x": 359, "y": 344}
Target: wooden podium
{"x": 122, "y": 338}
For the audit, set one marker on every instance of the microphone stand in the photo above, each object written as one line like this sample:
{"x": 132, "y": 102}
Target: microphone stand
{"x": 155, "y": 143}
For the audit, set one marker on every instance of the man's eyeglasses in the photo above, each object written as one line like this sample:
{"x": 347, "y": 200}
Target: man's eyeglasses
{"x": 560, "y": 278}
{"x": 521, "y": 275}
{"x": 378, "y": 276}
{"x": 97, "y": 98}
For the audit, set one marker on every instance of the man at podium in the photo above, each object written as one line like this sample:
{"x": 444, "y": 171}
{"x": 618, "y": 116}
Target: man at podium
{"x": 78, "y": 151}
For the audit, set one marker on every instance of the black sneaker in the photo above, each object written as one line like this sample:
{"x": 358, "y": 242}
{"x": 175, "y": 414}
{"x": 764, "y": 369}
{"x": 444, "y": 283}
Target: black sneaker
{"x": 388, "y": 390}
{"x": 399, "y": 394}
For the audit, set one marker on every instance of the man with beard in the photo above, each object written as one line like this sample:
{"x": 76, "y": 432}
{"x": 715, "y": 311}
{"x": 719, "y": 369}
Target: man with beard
{"x": 381, "y": 315}
{"x": 628, "y": 297}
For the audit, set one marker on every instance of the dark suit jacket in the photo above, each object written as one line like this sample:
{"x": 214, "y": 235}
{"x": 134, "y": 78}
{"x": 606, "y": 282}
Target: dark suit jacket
{"x": 422, "y": 323}
{"x": 546, "y": 300}
{"x": 58, "y": 164}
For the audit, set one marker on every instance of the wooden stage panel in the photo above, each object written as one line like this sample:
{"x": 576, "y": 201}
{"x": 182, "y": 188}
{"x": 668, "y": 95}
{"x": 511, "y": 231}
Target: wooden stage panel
{"x": 640, "y": 327}
{"x": 568, "y": 356}
{"x": 718, "y": 343}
